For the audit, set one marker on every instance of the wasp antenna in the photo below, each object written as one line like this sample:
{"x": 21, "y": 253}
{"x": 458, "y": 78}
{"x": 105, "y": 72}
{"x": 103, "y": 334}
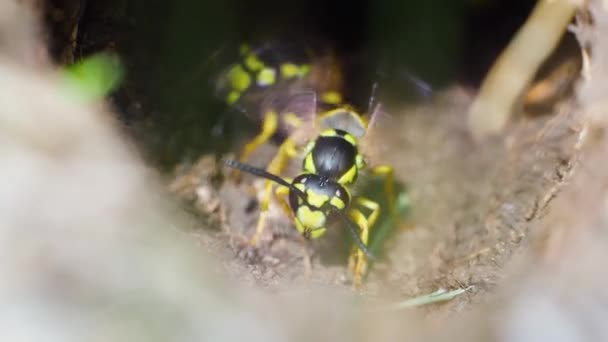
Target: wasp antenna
{"x": 256, "y": 171}
{"x": 356, "y": 237}
{"x": 264, "y": 174}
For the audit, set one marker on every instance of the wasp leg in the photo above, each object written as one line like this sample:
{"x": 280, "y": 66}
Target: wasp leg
{"x": 389, "y": 184}
{"x": 269, "y": 127}
{"x": 357, "y": 262}
{"x": 280, "y": 194}
{"x": 286, "y": 151}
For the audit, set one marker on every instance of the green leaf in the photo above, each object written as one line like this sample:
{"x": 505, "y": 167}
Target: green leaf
{"x": 94, "y": 77}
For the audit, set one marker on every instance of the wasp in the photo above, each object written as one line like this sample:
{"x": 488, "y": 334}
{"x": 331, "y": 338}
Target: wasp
{"x": 332, "y": 160}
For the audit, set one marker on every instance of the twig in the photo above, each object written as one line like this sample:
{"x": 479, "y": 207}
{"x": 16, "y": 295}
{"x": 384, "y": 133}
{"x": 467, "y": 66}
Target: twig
{"x": 518, "y": 64}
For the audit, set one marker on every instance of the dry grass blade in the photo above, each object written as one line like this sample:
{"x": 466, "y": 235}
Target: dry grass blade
{"x": 518, "y": 64}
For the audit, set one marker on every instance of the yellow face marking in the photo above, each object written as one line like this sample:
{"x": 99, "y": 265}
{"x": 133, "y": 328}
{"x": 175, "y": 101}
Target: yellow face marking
{"x": 309, "y": 164}
{"x": 349, "y": 176}
{"x": 337, "y": 202}
{"x": 239, "y": 78}
{"x": 253, "y": 63}
{"x": 315, "y": 199}
{"x": 266, "y": 77}
{"x": 310, "y": 219}
{"x": 331, "y": 97}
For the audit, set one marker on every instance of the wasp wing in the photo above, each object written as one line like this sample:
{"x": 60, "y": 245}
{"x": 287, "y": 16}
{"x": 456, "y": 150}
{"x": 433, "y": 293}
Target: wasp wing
{"x": 344, "y": 118}
{"x": 296, "y": 111}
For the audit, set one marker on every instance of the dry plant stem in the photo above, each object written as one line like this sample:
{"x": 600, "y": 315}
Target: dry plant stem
{"x": 518, "y": 64}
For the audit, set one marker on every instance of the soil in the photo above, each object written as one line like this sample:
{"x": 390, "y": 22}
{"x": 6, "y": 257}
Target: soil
{"x": 473, "y": 205}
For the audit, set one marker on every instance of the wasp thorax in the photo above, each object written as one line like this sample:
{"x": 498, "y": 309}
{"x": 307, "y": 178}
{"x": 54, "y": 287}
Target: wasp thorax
{"x": 334, "y": 155}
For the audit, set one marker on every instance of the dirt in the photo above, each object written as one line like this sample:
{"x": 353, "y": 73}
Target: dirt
{"x": 473, "y": 205}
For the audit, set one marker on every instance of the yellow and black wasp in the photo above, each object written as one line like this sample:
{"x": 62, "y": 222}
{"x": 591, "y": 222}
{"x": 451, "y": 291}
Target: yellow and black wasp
{"x": 327, "y": 133}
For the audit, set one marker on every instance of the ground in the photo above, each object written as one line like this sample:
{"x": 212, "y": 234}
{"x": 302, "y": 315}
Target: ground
{"x": 509, "y": 210}
{"x": 473, "y": 205}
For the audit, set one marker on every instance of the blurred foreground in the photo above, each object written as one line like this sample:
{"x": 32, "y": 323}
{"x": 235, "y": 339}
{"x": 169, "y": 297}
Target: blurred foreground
{"x": 93, "y": 249}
